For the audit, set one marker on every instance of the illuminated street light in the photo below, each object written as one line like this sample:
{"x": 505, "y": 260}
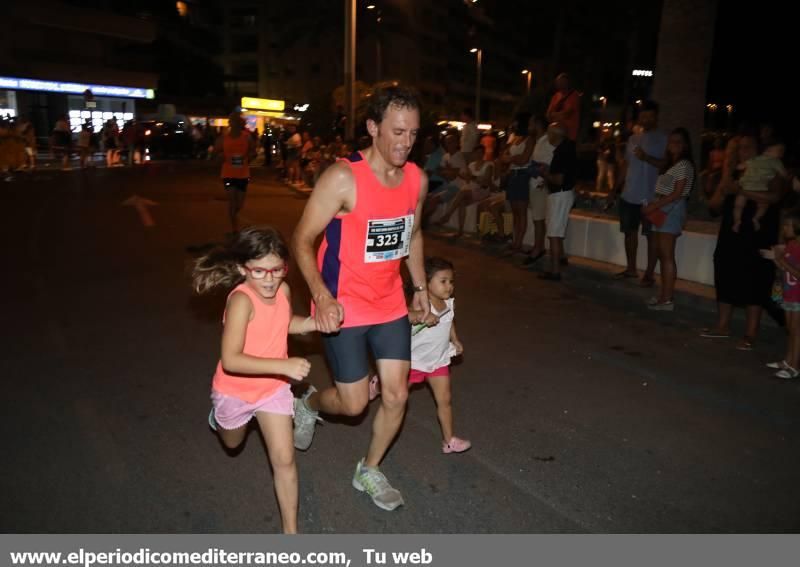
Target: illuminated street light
{"x": 479, "y": 52}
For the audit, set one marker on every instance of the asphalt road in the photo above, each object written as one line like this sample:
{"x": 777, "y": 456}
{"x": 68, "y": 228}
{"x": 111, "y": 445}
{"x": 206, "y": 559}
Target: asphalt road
{"x": 586, "y": 412}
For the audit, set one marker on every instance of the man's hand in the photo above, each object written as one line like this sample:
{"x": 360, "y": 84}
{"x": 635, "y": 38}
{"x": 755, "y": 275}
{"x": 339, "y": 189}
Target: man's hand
{"x": 329, "y": 314}
{"x": 639, "y": 153}
{"x": 430, "y": 320}
{"x": 420, "y": 302}
{"x": 649, "y": 208}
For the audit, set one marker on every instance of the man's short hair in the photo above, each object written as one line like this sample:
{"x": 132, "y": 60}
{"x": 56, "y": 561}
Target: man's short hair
{"x": 383, "y": 98}
{"x": 649, "y": 106}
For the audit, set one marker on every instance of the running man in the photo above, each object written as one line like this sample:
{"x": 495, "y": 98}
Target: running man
{"x": 369, "y": 207}
{"x": 237, "y": 149}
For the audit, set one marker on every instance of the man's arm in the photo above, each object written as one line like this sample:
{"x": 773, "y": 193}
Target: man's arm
{"x": 655, "y": 161}
{"x": 332, "y": 194}
{"x": 416, "y": 254}
{"x": 570, "y": 107}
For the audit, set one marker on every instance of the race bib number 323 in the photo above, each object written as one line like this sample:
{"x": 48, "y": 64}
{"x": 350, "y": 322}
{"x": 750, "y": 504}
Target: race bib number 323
{"x": 388, "y": 239}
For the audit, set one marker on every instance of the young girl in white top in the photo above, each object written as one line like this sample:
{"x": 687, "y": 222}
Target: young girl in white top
{"x": 433, "y": 344}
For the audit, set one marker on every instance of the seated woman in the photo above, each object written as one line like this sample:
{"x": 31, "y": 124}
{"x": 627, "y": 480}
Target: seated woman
{"x": 495, "y": 203}
{"x": 478, "y": 180}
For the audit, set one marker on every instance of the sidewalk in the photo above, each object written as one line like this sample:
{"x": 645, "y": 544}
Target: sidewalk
{"x": 595, "y": 278}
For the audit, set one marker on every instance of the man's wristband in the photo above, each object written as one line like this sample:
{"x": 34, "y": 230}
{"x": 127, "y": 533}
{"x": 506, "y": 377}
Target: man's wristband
{"x": 418, "y": 288}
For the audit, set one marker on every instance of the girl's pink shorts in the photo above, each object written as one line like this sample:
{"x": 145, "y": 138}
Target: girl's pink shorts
{"x": 233, "y": 413}
{"x": 418, "y": 376}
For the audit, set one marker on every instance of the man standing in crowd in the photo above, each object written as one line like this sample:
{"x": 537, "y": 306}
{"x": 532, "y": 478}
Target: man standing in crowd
{"x": 565, "y": 107}
{"x": 644, "y": 154}
{"x": 560, "y": 179}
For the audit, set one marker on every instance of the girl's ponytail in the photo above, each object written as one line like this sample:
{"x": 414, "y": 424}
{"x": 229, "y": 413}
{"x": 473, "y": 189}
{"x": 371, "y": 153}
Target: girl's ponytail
{"x": 216, "y": 269}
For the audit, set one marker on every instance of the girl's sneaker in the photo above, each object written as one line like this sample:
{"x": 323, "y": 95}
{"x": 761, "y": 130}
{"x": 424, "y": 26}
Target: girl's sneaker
{"x": 212, "y": 419}
{"x": 780, "y": 365}
{"x": 455, "y": 445}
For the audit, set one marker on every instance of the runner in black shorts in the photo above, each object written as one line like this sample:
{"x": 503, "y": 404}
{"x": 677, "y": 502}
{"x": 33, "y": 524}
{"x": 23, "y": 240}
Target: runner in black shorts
{"x": 369, "y": 208}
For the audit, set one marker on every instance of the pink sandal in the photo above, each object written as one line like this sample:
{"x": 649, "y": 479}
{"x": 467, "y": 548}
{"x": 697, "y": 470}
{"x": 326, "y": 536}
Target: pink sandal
{"x": 456, "y": 445}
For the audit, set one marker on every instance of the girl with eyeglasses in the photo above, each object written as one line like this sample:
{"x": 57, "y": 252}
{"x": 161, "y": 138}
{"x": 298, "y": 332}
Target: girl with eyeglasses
{"x": 254, "y": 372}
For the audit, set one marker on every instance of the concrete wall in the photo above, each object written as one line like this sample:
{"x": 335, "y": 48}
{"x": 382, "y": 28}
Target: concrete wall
{"x": 600, "y": 239}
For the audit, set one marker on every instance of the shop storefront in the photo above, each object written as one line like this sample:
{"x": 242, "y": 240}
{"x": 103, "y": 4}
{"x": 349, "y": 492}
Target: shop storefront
{"x": 43, "y": 102}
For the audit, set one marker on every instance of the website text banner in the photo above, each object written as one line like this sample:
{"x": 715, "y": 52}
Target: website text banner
{"x": 395, "y": 550}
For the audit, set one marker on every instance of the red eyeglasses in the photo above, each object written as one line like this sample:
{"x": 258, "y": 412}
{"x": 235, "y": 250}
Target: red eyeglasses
{"x": 261, "y": 273}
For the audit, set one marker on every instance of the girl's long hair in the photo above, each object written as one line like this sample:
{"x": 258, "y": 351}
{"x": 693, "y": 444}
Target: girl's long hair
{"x": 220, "y": 267}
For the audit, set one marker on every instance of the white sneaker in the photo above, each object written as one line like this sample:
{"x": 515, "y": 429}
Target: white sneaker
{"x": 305, "y": 421}
{"x": 663, "y": 306}
{"x": 373, "y": 482}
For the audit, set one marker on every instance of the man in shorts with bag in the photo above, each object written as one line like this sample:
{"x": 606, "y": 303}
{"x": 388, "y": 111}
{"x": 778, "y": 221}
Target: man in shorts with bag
{"x": 644, "y": 155}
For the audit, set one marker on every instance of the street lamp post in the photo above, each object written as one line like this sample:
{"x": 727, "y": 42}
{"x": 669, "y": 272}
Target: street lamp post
{"x": 479, "y": 52}
{"x": 528, "y": 88}
{"x": 350, "y": 66}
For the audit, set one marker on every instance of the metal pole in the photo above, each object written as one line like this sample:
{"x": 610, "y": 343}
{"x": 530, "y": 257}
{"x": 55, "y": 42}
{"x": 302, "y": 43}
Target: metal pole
{"x": 349, "y": 66}
{"x": 528, "y": 91}
{"x": 478, "y": 88}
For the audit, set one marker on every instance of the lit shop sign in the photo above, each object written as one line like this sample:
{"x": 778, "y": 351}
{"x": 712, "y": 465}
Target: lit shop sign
{"x": 300, "y": 107}
{"x": 250, "y": 103}
{"x": 74, "y": 88}
{"x": 642, "y": 73}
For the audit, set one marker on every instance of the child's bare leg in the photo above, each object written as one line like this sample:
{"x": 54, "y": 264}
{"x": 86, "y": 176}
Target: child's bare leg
{"x": 791, "y": 327}
{"x": 232, "y": 438}
{"x": 440, "y": 386}
{"x": 277, "y": 432}
{"x": 761, "y": 209}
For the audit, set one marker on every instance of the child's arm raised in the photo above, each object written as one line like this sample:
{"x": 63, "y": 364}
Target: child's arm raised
{"x": 234, "y": 361}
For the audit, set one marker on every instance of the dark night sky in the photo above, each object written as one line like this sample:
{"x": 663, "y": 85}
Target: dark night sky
{"x": 755, "y": 63}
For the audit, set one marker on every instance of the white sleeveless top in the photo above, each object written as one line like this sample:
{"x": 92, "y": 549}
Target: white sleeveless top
{"x": 431, "y": 347}
{"x": 517, "y": 149}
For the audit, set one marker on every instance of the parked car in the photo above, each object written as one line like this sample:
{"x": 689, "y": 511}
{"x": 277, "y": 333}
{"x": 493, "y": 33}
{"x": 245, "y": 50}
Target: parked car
{"x": 167, "y": 139}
